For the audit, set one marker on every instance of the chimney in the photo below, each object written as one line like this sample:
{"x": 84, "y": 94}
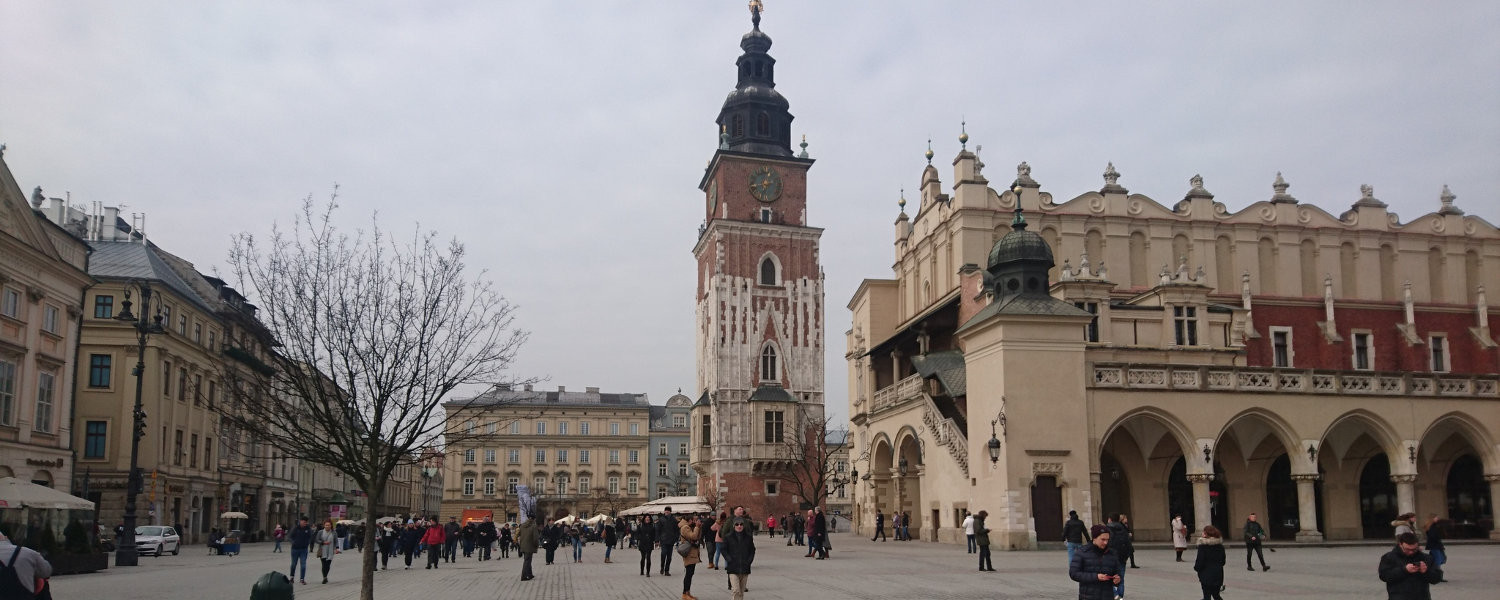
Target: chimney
{"x": 561, "y": 389}
{"x": 592, "y": 390}
{"x": 528, "y": 387}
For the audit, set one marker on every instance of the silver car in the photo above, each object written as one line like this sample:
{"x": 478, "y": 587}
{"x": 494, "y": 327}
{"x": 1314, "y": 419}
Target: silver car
{"x": 156, "y": 539}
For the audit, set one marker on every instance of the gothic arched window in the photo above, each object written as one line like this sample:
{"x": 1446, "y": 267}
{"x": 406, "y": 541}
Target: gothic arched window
{"x": 763, "y": 124}
{"x": 768, "y": 363}
{"x": 768, "y": 271}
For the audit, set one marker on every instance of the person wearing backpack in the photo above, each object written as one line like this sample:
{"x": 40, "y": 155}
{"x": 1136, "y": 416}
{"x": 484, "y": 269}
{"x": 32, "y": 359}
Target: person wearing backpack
{"x": 21, "y": 572}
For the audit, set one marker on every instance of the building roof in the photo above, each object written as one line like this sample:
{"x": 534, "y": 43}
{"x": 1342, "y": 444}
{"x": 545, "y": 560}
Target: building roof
{"x": 947, "y": 366}
{"x": 772, "y": 393}
{"x": 505, "y": 395}
{"x": 1026, "y": 305}
{"x": 136, "y": 260}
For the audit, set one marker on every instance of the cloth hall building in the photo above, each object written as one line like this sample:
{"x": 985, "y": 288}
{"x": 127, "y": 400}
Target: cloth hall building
{"x": 1111, "y": 353}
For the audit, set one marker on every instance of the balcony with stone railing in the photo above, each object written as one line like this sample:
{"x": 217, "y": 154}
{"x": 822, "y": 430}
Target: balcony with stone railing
{"x": 1254, "y": 379}
{"x": 901, "y": 392}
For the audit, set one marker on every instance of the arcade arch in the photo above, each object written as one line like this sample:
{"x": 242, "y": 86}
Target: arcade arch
{"x": 1140, "y": 449}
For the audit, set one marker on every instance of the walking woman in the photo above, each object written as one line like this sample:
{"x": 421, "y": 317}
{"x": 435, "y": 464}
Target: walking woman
{"x": 739, "y": 553}
{"x": 1179, "y": 536}
{"x": 327, "y": 544}
{"x": 645, "y": 541}
{"x": 411, "y": 536}
{"x": 609, "y": 540}
{"x": 1210, "y": 563}
{"x": 712, "y": 535}
{"x": 689, "y": 532}
{"x": 575, "y": 535}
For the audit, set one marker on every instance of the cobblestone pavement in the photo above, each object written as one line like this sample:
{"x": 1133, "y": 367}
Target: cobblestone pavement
{"x": 858, "y": 569}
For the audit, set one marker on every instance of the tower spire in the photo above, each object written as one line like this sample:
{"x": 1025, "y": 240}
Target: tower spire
{"x": 755, "y": 115}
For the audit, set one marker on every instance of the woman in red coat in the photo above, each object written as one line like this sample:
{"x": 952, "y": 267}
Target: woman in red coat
{"x": 433, "y": 539}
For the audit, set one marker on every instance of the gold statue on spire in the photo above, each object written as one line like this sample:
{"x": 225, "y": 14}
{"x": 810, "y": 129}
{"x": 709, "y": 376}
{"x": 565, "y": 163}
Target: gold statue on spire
{"x": 755, "y": 9}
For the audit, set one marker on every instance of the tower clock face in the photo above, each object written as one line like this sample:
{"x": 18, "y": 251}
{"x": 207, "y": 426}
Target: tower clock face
{"x": 713, "y": 196}
{"x": 765, "y": 184}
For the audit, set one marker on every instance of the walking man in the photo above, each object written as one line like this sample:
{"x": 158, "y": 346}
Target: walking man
{"x": 301, "y": 538}
{"x": 739, "y": 549}
{"x": 666, "y": 536}
{"x": 879, "y": 526}
{"x": 526, "y": 543}
{"x": 485, "y": 536}
{"x": 1075, "y": 534}
{"x": 451, "y": 537}
{"x": 1254, "y": 535}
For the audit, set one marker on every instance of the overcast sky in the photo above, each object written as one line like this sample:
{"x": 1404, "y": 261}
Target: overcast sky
{"x": 563, "y": 141}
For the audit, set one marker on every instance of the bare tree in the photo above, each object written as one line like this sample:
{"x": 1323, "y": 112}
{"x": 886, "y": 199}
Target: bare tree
{"x": 602, "y": 501}
{"x": 808, "y": 452}
{"x": 373, "y": 336}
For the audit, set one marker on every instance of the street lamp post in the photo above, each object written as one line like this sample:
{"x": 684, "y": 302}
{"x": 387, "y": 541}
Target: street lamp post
{"x": 125, "y": 553}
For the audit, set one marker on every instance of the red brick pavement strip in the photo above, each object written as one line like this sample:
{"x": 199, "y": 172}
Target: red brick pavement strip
{"x": 859, "y": 569}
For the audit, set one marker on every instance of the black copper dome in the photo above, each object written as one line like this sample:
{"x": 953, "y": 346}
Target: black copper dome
{"x": 1020, "y": 245}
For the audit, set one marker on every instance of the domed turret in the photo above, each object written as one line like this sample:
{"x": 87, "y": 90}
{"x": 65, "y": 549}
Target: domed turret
{"x": 755, "y": 115}
{"x": 1019, "y": 261}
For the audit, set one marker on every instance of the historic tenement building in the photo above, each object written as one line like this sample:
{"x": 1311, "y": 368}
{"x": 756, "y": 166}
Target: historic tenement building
{"x": 1112, "y": 353}
{"x": 581, "y": 452}
{"x": 43, "y": 275}
{"x": 670, "y": 474}
{"x": 759, "y": 296}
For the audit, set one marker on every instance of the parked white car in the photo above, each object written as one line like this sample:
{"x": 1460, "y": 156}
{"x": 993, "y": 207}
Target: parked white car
{"x": 156, "y": 539}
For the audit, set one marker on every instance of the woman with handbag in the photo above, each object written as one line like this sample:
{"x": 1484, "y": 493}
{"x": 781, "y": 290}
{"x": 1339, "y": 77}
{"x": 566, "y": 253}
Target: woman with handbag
{"x": 327, "y": 542}
{"x": 687, "y": 545}
{"x": 645, "y": 541}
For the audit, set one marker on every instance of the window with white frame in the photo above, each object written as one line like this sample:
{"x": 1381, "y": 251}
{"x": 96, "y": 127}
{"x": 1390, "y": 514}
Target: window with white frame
{"x": 614, "y": 457}
{"x": 1185, "y": 325}
{"x": 562, "y": 455}
{"x": 1364, "y": 351}
{"x": 513, "y": 456}
{"x": 682, "y": 449}
{"x": 562, "y": 484}
{"x": 469, "y": 485}
{"x": 635, "y": 457}
{"x": 661, "y": 449}
{"x": 562, "y": 428}
{"x": 661, "y": 491}
{"x": 540, "y": 456}
{"x": 614, "y": 429}
{"x": 679, "y": 421}
{"x": 469, "y": 427}
{"x": 583, "y": 485}
{"x": 661, "y": 468}
{"x": 1281, "y": 347}
{"x": 469, "y": 454}
{"x": 489, "y": 486}
{"x": 541, "y": 428}
{"x": 539, "y": 484}
{"x": 49, "y": 319}
{"x": 489, "y": 455}
{"x": 492, "y": 428}
{"x": 635, "y": 429}
{"x": 583, "y": 428}
{"x": 1090, "y": 331}
{"x": 774, "y": 432}
{"x": 46, "y": 396}
{"x": 515, "y": 427}
{"x": 682, "y": 468}
{"x": 583, "y": 457}
{"x": 614, "y": 485}
{"x": 632, "y": 485}
{"x": 10, "y": 303}
{"x": 1438, "y": 344}
{"x": 511, "y": 483}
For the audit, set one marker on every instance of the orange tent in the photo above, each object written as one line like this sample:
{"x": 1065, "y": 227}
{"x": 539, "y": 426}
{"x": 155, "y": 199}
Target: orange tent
{"x": 474, "y": 515}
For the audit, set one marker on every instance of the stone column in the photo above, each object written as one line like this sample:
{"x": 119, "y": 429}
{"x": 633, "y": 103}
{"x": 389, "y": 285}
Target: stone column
{"x": 1406, "y": 493}
{"x": 1202, "y": 510}
{"x": 1494, "y": 479}
{"x": 1307, "y": 508}
{"x": 1093, "y": 510}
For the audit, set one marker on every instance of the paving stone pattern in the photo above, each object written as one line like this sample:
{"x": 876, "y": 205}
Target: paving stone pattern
{"x": 858, "y": 569}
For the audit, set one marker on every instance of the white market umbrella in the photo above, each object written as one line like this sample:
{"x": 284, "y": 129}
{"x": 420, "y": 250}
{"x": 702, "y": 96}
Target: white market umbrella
{"x": 384, "y": 520}
{"x": 15, "y": 493}
{"x": 568, "y": 520}
{"x": 596, "y": 519}
{"x": 679, "y": 504}
{"x": 234, "y": 515}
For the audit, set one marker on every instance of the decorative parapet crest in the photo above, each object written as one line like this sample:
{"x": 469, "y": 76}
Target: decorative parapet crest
{"x": 1252, "y": 379}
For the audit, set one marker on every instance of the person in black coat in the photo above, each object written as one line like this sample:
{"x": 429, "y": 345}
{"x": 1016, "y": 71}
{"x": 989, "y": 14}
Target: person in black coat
{"x": 1075, "y": 534}
{"x": 1408, "y": 572}
{"x": 485, "y": 536}
{"x": 1210, "y": 563}
{"x": 1120, "y": 546}
{"x": 410, "y": 538}
{"x": 1095, "y": 568}
{"x": 551, "y": 537}
{"x": 385, "y": 542}
{"x": 820, "y": 531}
{"x": 644, "y": 539}
{"x": 739, "y": 552}
{"x": 666, "y": 535}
